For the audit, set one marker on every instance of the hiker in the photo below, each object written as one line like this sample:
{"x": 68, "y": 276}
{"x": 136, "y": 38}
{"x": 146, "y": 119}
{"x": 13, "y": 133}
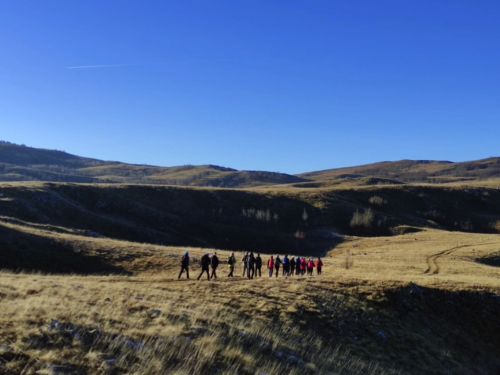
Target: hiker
{"x": 303, "y": 265}
{"x": 214, "y": 262}
{"x": 184, "y": 264}
{"x": 319, "y": 265}
{"x": 292, "y": 266}
{"x": 205, "y": 263}
{"x": 297, "y": 266}
{"x": 270, "y": 266}
{"x": 310, "y": 266}
{"x": 277, "y": 263}
{"x": 251, "y": 265}
{"x": 231, "y": 261}
{"x": 258, "y": 265}
{"x": 245, "y": 260}
{"x": 286, "y": 265}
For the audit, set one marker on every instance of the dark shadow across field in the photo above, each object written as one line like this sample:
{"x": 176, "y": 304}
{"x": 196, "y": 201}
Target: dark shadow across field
{"x": 21, "y": 251}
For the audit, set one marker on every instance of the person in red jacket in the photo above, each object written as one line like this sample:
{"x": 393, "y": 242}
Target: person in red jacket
{"x": 303, "y": 265}
{"x": 319, "y": 265}
{"x": 270, "y": 265}
{"x": 310, "y": 266}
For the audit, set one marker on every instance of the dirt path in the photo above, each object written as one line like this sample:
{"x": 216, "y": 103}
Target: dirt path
{"x": 432, "y": 260}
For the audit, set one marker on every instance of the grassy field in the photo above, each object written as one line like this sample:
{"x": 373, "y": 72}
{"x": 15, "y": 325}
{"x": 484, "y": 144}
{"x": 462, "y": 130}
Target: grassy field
{"x": 88, "y": 279}
{"x": 423, "y": 302}
{"x": 88, "y": 269}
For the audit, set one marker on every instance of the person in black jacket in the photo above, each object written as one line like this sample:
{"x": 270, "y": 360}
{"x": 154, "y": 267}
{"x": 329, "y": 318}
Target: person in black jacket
{"x": 251, "y": 266}
{"x": 184, "y": 265}
{"x": 205, "y": 263}
{"x": 258, "y": 265}
{"x": 277, "y": 264}
{"x": 292, "y": 266}
{"x": 214, "y": 263}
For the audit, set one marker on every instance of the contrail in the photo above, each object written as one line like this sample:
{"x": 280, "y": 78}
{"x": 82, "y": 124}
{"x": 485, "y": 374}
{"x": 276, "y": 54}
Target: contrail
{"x": 101, "y": 66}
{"x": 146, "y": 64}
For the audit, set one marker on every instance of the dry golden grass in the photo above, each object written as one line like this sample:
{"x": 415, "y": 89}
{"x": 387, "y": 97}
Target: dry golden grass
{"x": 368, "y": 318}
{"x": 429, "y": 257}
{"x": 156, "y": 324}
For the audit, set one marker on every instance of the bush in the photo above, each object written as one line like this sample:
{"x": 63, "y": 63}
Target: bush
{"x": 347, "y": 264}
{"x": 379, "y": 201}
{"x": 364, "y": 219}
{"x": 495, "y": 226}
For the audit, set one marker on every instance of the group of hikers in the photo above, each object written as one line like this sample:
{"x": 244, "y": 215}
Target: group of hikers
{"x": 252, "y": 265}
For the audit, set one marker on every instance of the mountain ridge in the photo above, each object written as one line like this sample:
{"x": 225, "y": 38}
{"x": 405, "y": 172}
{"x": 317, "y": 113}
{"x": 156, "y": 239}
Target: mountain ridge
{"x": 23, "y": 163}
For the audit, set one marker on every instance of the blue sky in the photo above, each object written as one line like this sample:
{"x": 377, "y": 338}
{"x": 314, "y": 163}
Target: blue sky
{"x": 289, "y": 86}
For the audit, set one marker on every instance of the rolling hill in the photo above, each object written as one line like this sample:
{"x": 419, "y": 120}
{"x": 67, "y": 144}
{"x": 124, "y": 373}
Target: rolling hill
{"x": 427, "y": 171}
{"x": 21, "y": 163}
{"x": 290, "y": 220}
{"x": 89, "y": 263}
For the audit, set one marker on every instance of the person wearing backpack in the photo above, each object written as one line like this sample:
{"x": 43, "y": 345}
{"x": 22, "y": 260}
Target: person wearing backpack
{"x": 292, "y": 266}
{"x": 319, "y": 265}
{"x": 205, "y": 264}
{"x": 270, "y": 266}
{"x": 251, "y": 266}
{"x": 184, "y": 264}
{"x": 286, "y": 265}
{"x": 258, "y": 265}
{"x": 214, "y": 262}
{"x": 310, "y": 266}
{"x": 303, "y": 265}
{"x": 231, "y": 261}
{"x": 277, "y": 263}
{"x": 245, "y": 263}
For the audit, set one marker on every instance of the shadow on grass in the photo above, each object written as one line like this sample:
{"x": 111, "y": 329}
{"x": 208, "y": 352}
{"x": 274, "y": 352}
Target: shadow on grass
{"x": 23, "y": 252}
{"x": 460, "y": 326}
{"x": 493, "y": 261}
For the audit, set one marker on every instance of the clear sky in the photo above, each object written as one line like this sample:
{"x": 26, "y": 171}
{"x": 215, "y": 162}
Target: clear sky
{"x": 282, "y": 85}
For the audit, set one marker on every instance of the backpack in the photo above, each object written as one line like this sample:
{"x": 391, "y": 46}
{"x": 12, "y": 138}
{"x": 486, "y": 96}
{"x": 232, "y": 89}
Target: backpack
{"x": 185, "y": 260}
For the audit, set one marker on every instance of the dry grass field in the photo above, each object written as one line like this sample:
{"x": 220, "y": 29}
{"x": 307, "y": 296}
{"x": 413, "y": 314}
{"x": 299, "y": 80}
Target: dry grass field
{"x": 88, "y": 279}
{"x": 430, "y": 257}
{"x": 424, "y": 302}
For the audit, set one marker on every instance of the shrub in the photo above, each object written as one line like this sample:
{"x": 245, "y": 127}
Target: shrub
{"x": 364, "y": 219}
{"x": 495, "y": 226}
{"x": 379, "y": 201}
{"x": 348, "y": 262}
{"x": 433, "y": 214}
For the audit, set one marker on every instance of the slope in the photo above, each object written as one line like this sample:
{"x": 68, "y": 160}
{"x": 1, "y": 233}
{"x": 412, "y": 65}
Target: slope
{"x": 21, "y": 163}
{"x": 415, "y": 171}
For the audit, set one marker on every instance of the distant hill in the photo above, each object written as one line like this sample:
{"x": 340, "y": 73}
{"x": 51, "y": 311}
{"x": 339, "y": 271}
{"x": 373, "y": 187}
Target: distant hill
{"x": 414, "y": 171}
{"x": 21, "y": 163}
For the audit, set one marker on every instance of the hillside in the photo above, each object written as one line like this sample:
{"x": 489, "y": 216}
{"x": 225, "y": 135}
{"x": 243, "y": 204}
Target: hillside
{"x": 309, "y": 221}
{"x": 21, "y": 163}
{"x": 415, "y": 171}
{"x": 88, "y": 279}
